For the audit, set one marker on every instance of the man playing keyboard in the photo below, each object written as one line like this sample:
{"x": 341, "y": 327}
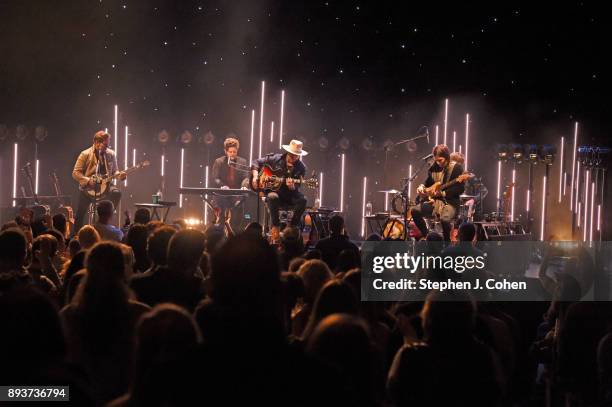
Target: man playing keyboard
{"x": 229, "y": 172}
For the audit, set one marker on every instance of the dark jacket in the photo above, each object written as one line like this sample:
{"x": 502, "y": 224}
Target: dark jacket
{"x": 278, "y": 161}
{"x": 221, "y": 170}
{"x": 331, "y": 247}
{"x": 453, "y": 192}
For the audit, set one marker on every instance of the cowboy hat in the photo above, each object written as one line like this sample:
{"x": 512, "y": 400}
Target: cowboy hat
{"x": 295, "y": 147}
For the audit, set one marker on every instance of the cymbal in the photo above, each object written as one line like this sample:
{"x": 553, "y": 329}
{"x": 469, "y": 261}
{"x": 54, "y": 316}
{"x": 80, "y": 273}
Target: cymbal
{"x": 390, "y": 191}
{"x": 463, "y": 196}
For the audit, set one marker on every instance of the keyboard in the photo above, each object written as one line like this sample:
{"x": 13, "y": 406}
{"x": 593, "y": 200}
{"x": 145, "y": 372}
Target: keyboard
{"x": 217, "y": 191}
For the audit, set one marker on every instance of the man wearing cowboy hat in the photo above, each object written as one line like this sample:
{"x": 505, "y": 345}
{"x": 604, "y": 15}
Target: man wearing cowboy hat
{"x": 289, "y": 165}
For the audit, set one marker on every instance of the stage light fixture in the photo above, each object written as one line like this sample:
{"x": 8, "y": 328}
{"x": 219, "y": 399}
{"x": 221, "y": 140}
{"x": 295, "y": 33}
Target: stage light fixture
{"x": 323, "y": 143}
{"x": 21, "y": 132}
{"x": 163, "y": 136}
{"x": 502, "y": 152}
{"x": 546, "y": 154}
{"x": 367, "y": 144}
{"x": 186, "y": 137}
{"x": 344, "y": 143}
{"x": 516, "y": 151}
{"x": 531, "y": 152}
{"x": 40, "y": 133}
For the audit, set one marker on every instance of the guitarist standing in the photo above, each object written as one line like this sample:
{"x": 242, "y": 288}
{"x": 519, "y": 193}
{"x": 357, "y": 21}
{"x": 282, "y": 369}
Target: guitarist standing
{"x": 95, "y": 160}
{"x": 288, "y": 165}
{"x": 445, "y": 203}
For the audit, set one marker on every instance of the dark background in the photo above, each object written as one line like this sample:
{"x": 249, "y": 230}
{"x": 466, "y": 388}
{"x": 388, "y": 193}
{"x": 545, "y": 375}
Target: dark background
{"x": 377, "y": 70}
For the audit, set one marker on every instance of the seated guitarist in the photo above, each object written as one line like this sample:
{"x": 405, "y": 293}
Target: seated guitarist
{"x": 96, "y": 160}
{"x": 445, "y": 203}
{"x": 289, "y": 165}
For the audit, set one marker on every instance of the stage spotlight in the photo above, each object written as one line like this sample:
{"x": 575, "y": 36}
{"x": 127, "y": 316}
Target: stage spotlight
{"x": 163, "y": 136}
{"x": 21, "y": 132}
{"x": 367, "y": 144}
{"x": 517, "y": 152}
{"x": 531, "y": 152}
{"x": 323, "y": 143}
{"x": 546, "y": 153}
{"x": 186, "y": 137}
{"x": 209, "y": 138}
{"x": 40, "y": 133}
{"x": 411, "y": 146}
{"x": 502, "y": 151}
{"x": 344, "y": 143}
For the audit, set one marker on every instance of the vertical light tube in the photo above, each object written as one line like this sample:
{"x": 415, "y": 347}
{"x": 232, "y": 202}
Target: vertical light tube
{"x": 280, "y": 129}
{"x": 321, "y": 189}
{"x": 564, "y": 182}
{"x": 577, "y": 188}
{"x": 342, "y": 185}
{"x": 386, "y": 201}
{"x": 437, "y": 135}
{"x": 499, "y": 168}
{"x": 460, "y": 152}
{"x": 363, "y": 206}
{"x": 591, "y": 220}
{"x": 181, "y": 180}
{"x": 261, "y": 115}
{"x": 467, "y": 140}
{"x": 15, "y": 157}
{"x": 133, "y": 157}
{"x": 454, "y": 140}
{"x": 163, "y": 162}
{"x": 561, "y": 169}
{"x": 586, "y": 205}
{"x": 116, "y": 129}
{"x": 126, "y": 162}
{"x": 272, "y": 132}
{"x": 445, "y": 118}
{"x": 206, "y": 196}
{"x": 579, "y": 212}
{"x": 513, "y": 189}
{"x": 528, "y": 200}
{"x": 575, "y": 147}
{"x": 542, "y": 221}
{"x": 409, "y": 181}
{"x": 598, "y": 217}
{"x": 36, "y": 177}
{"x": 252, "y": 131}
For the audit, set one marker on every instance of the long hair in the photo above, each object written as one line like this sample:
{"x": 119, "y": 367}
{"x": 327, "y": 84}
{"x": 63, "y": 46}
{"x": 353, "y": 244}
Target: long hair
{"x": 102, "y": 299}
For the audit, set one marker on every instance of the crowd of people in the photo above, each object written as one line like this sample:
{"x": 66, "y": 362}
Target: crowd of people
{"x": 161, "y": 314}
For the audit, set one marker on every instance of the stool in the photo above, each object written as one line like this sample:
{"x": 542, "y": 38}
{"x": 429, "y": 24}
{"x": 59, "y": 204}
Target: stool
{"x": 91, "y": 213}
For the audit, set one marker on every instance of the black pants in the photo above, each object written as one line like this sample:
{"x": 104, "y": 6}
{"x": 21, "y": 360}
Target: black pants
{"x": 294, "y": 201}
{"x": 113, "y": 195}
{"x": 426, "y": 209}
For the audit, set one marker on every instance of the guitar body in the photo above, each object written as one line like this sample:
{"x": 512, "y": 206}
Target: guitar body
{"x": 270, "y": 179}
{"x": 99, "y": 190}
{"x": 102, "y": 183}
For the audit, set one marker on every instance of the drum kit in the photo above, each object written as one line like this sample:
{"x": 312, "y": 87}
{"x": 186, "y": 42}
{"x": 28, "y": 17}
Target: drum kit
{"x": 392, "y": 224}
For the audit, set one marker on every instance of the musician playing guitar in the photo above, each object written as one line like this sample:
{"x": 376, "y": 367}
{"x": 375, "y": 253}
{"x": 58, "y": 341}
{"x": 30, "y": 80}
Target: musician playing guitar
{"x": 97, "y": 160}
{"x": 444, "y": 203}
{"x": 290, "y": 166}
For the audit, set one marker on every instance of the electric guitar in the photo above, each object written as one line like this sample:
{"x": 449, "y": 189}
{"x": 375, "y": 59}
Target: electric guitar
{"x": 102, "y": 182}
{"x": 269, "y": 179}
{"x": 432, "y": 190}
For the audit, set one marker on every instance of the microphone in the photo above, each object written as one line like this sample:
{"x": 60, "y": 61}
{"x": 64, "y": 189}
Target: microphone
{"x": 427, "y": 157}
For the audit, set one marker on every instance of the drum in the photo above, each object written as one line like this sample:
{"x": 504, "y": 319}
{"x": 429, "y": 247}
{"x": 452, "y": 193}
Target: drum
{"x": 394, "y": 229}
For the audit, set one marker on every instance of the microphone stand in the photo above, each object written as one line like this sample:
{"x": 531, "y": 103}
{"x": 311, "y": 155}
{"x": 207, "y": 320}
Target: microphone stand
{"x": 407, "y": 182}
{"x": 391, "y": 146}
